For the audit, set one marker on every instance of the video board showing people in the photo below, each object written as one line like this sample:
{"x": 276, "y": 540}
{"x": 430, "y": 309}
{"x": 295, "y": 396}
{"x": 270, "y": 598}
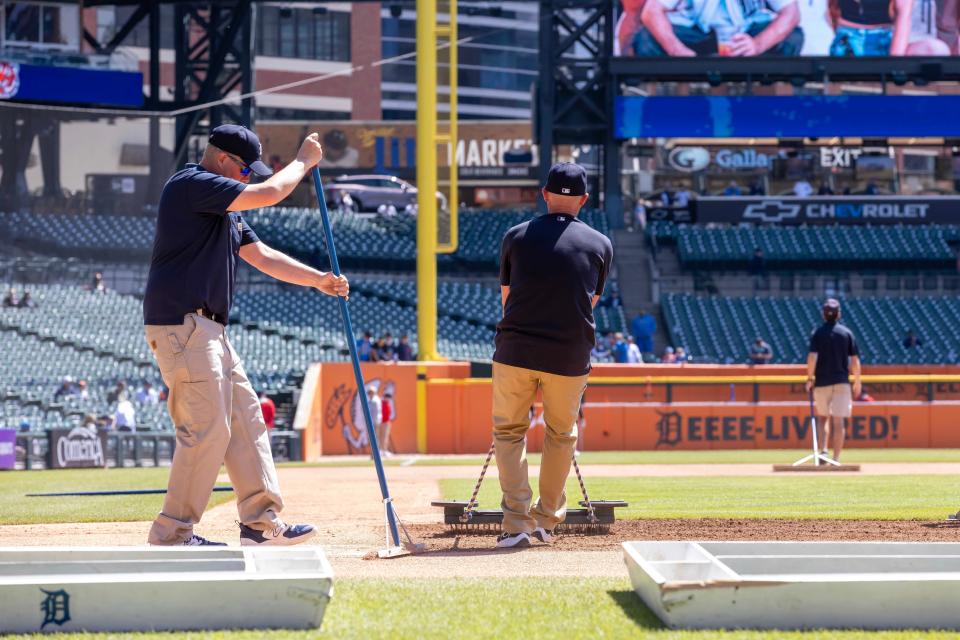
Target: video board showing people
{"x": 787, "y": 28}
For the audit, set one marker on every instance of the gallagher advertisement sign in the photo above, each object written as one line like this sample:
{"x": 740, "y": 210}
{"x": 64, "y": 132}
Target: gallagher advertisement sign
{"x": 828, "y": 210}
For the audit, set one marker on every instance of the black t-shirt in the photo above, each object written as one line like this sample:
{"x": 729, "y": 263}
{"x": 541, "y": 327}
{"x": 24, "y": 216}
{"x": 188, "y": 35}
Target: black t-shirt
{"x": 834, "y": 345}
{"x": 554, "y": 265}
{"x": 194, "y": 263}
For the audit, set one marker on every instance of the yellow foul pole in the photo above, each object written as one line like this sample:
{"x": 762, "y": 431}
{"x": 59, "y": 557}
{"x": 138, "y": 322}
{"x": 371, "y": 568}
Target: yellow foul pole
{"x": 426, "y": 180}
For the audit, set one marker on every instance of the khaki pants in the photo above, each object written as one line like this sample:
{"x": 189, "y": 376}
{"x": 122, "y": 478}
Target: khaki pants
{"x": 835, "y": 401}
{"x": 218, "y": 421}
{"x": 514, "y": 390}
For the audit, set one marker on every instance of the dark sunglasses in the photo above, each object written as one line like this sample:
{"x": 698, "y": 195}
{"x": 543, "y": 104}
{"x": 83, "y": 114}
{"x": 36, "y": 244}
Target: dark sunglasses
{"x": 244, "y": 169}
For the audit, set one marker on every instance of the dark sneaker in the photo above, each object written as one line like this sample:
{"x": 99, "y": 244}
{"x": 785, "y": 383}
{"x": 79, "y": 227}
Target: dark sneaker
{"x": 512, "y": 540}
{"x": 542, "y": 535}
{"x": 283, "y": 535}
{"x": 200, "y": 541}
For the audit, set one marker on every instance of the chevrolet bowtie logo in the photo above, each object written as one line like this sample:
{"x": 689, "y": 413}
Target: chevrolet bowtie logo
{"x": 772, "y": 211}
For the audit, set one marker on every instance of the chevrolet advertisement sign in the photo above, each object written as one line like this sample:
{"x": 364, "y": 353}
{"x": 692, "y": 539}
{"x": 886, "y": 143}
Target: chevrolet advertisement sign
{"x": 829, "y": 210}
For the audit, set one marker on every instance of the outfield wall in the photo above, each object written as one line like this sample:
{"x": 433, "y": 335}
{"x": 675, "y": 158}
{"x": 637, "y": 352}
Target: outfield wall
{"x": 633, "y": 407}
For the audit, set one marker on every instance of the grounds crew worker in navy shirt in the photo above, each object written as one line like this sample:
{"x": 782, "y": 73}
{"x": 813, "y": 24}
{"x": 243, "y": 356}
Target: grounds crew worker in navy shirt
{"x": 552, "y": 272}
{"x": 833, "y": 353}
{"x": 186, "y": 306}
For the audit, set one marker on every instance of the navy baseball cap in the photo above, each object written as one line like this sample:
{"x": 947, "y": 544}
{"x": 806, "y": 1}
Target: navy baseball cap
{"x": 243, "y": 143}
{"x": 567, "y": 179}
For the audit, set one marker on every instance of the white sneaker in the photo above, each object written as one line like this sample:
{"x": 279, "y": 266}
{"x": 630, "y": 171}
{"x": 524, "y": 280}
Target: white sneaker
{"x": 543, "y": 535}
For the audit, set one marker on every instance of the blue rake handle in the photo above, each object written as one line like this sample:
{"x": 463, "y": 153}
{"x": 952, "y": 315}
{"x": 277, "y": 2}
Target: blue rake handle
{"x": 355, "y": 359}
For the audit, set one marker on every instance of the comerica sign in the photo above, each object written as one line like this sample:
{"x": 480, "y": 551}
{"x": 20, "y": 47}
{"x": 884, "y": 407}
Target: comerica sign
{"x": 828, "y": 210}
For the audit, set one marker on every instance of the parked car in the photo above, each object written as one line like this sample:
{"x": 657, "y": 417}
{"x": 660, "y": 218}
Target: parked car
{"x": 370, "y": 192}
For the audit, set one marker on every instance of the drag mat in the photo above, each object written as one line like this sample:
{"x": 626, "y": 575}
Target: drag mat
{"x": 438, "y": 538}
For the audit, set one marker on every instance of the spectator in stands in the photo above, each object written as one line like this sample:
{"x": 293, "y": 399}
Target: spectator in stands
{"x": 404, "y": 350}
{"x": 90, "y": 423}
{"x": 365, "y": 346}
{"x": 824, "y": 189}
{"x": 105, "y": 423}
{"x": 26, "y": 302}
{"x": 871, "y": 189}
{"x": 600, "y": 350}
{"x": 388, "y": 415}
{"x": 82, "y": 391}
{"x": 682, "y": 197}
{"x": 757, "y": 189}
{"x": 633, "y": 351}
{"x": 268, "y": 409}
{"x": 733, "y": 189}
{"x": 682, "y": 355}
{"x": 912, "y": 340}
{"x": 643, "y": 327}
{"x": 118, "y": 393}
{"x": 97, "y": 284}
{"x": 802, "y": 188}
{"x": 66, "y": 390}
{"x": 147, "y": 394}
{"x": 125, "y": 417}
{"x": 668, "y": 357}
{"x": 621, "y": 349}
{"x": 386, "y": 351}
{"x": 10, "y": 300}
{"x": 760, "y": 352}
{"x": 833, "y": 357}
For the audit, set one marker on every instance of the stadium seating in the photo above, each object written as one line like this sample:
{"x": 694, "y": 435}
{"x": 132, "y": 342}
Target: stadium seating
{"x": 721, "y": 329}
{"x": 892, "y": 246}
{"x": 369, "y": 242}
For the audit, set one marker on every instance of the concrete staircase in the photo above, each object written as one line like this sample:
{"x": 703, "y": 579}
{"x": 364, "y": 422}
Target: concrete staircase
{"x": 637, "y": 279}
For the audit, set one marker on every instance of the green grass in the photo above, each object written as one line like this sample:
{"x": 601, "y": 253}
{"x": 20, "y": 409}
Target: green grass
{"x": 527, "y": 608}
{"x": 19, "y": 509}
{"x": 758, "y": 456}
{"x": 907, "y": 497}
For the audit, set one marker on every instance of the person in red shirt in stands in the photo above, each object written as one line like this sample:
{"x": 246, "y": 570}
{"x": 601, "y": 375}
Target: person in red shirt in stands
{"x": 269, "y": 410}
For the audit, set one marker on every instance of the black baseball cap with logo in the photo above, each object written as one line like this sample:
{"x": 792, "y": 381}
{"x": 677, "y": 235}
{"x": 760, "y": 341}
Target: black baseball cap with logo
{"x": 242, "y": 143}
{"x": 567, "y": 179}
{"x": 831, "y": 309}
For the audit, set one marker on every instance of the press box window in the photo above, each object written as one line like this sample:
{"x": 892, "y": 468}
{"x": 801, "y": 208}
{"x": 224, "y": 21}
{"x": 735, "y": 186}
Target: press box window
{"x": 308, "y": 34}
{"x": 43, "y": 25}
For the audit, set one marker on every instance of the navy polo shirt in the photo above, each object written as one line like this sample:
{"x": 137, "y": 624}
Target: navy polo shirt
{"x": 834, "y": 345}
{"x": 195, "y": 249}
{"x": 554, "y": 265}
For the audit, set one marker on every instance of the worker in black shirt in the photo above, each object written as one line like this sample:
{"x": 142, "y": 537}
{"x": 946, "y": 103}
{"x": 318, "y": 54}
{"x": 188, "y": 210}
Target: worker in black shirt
{"x": 552, "y": 272}
{"x": 833, "y": 353}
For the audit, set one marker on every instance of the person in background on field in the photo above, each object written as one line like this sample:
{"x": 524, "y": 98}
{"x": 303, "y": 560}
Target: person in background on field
{"x": 760, "y": 352}
{"x": 269, "y": 410}
{"x": 833, "y": 355}
{"x": 388, "y": 415}
{"x": 912, "y": 340}
{"x": 376, "y": 409}
{"x": 404, "y": 350}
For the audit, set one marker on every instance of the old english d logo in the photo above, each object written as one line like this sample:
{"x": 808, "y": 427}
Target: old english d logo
{"x": 55, "y": 608}
{"x": 669, "y": 428}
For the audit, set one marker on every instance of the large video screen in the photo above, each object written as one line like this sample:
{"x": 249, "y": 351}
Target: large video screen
{"x": 787, "y": 28}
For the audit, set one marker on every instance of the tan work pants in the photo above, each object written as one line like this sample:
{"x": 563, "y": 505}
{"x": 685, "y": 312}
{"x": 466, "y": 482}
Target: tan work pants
{"x": 514, "y": 390}
{"x": 218, "y": 421}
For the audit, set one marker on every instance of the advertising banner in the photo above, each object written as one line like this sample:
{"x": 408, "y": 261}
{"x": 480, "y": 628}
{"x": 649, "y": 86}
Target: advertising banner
{"x": 828, "y": 210}
{"x": 8, "y": 448}
{"x": 77, "y": 448}
{"x": 48, "y": 83}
